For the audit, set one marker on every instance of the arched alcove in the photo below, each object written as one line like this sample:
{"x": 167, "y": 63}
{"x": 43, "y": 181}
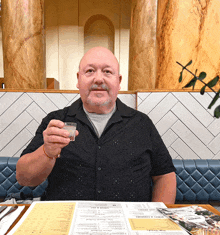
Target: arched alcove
{"x": 99, "y": 31}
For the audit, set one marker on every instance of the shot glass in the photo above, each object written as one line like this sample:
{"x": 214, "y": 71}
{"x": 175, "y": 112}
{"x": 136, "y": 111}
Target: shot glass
{"x": 71, "y": 128}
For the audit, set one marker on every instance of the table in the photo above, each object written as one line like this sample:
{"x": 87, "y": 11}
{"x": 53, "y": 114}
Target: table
{"x": 206, "y": 206}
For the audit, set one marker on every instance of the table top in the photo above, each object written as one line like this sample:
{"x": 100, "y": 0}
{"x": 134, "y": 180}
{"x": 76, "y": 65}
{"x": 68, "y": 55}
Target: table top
{"x": 206, "y": 206}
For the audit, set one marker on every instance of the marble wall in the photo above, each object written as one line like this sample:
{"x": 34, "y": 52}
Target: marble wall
{"x": 23, "y": 44}
{"x": 187, "y": 128}
{"x": 187, "y": 30}
{"x": 142, "y": 51}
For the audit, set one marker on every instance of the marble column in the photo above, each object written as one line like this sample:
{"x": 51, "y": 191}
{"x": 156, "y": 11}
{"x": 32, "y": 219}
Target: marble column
{"x": 23, "y": 44}
{"x": 187, "y": 30}
{"x": 142, "y": 51}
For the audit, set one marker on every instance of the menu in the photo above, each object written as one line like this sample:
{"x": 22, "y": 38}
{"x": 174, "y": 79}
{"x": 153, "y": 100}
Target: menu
{"x": 195, "y": 219}
{"x": 96, "y": 217}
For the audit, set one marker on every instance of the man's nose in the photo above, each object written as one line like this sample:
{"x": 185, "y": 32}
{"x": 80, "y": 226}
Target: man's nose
{"x": 99, "y": 78}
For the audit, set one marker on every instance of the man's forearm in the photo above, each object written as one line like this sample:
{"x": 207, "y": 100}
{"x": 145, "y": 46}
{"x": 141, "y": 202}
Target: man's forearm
{"x": 164, "y": 189}
{"x": 33, "y": 168}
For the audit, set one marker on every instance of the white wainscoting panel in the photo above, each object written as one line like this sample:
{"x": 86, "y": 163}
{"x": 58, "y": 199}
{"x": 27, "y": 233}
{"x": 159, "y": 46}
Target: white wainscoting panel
{"x": 21, "y": 113}
{"x": 187, "y": 127}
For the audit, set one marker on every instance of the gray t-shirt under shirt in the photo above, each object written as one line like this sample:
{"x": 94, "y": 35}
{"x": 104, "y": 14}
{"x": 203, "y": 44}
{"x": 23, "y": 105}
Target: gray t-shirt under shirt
{"x": 99, "y": 121}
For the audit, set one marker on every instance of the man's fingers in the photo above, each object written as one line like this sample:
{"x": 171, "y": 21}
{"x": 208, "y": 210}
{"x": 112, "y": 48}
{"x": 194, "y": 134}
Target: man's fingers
{"x": 56, "y": 123}
{"x": 56, "y": 138}
{"x": 55, "y": 134}
{"x": 54, "y": 146}
{"x": 76, "y": 133}
{"x": 56, "y": 131}
{"x": 52, "y": 139}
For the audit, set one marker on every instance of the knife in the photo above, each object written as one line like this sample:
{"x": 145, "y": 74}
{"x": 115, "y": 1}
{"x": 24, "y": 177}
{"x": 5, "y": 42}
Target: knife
{"x": 2, "y": 208}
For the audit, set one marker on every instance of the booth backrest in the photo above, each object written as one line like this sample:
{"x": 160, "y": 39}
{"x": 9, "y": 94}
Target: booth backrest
{"x": 9, "y": 184}
{"x": 198, "y": 181}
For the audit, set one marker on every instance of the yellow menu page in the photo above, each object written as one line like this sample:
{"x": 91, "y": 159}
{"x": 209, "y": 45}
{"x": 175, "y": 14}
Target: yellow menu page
{"x": 47, "y": 219}
{"x": 153, "y": 224}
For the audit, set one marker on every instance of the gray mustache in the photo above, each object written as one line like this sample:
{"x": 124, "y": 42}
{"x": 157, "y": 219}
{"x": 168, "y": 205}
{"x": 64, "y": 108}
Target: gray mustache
{"x": 102, "y": 86}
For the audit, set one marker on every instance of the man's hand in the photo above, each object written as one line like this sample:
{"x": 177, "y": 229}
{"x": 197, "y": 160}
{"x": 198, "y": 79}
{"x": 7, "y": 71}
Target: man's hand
{"x": 32, "y": 168}
{"x": 55, "y": 138}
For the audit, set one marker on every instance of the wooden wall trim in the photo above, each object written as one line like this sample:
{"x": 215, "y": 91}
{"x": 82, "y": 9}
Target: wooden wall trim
{"x": 54, "y": 91}
{"x": 120, "y": 92}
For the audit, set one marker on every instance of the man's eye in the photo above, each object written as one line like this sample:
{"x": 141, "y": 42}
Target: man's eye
{"x": 107, "y": 72}
{"x": 89, "y": 71}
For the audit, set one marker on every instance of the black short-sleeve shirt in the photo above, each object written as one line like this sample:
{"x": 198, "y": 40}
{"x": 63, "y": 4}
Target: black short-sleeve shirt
{"x": 115, "y": 167}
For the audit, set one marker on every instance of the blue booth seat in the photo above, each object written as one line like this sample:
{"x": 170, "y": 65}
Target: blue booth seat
{"x": 9, "y": 184}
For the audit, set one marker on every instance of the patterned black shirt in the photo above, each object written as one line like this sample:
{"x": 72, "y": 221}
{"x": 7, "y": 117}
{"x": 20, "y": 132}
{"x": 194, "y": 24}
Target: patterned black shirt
{"x": 115, "y": 167}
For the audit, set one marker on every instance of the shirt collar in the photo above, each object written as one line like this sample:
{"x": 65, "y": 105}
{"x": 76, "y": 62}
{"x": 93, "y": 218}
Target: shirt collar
{"x": 122, "y": 109}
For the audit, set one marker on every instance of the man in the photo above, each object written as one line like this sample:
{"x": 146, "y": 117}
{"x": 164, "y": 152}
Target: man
{"x": 117, "y": 151}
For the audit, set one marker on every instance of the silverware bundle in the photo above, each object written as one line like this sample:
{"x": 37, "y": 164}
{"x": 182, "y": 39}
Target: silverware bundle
{"x": 3, "y": 208}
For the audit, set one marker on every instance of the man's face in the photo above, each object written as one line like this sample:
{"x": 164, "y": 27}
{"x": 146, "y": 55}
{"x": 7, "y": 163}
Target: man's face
{"x": 98, "y": 79}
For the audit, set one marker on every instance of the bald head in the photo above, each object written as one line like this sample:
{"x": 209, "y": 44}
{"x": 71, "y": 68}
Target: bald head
{"x": 97, "y": 53}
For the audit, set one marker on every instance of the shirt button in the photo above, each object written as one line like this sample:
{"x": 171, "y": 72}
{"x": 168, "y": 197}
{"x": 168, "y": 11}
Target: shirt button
{"x": 99, "y": 147}
{"x": 99, "y": 168}
{"x": 99, "y": 191}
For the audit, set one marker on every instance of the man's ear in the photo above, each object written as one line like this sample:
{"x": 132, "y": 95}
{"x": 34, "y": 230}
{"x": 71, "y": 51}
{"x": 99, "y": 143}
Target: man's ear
{"x": 77, "y": 84}
{"x": 120, "y": 78}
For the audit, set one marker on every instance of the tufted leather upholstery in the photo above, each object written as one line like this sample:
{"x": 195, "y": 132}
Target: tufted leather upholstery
{"x": 8, "y": 182}
{"x": 198, "y": 180}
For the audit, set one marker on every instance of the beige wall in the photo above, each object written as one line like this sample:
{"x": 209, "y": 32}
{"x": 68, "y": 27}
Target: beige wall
{"x": 65, "y": 36}
{"x": 64, "y": 32}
